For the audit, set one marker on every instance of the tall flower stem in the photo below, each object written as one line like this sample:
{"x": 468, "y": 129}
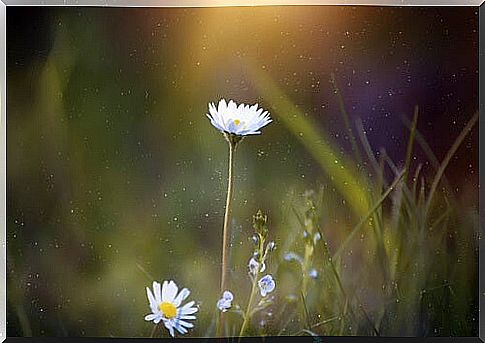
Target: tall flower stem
{"x": 227, "y": 217}
{"x": 232, "y": 141}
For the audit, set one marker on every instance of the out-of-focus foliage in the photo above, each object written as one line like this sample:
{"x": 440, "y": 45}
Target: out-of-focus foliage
{"x": 117, "y": 178}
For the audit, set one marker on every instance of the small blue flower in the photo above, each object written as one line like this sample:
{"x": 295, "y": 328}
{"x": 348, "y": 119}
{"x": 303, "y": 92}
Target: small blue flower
{"x": 317, "y": 237}
{"x": 271, "y": 245}
{"x": 291, "y": 256}
{"x": 313, "y": 273}
{"x": 255, "y": 239}
{"x": 266, "y": 285}
{"x": 224, "y": 303}
{"x": 253, "y": 266}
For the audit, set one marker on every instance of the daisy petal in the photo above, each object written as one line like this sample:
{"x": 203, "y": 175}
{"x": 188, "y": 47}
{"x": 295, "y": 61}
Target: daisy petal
{"x": 169, "y": 326}
{"x": 222, "y": 105}
{"x": 181, "y": 329}
{"x": 187, "y": 317}
{"x": 150, "y": 317}
{"x": 184, "y": 293}
{"x": 189, "y": 304}
{"x": 156, "y": 292}
{"x": 186, "y": 324}
{"x": 188, "y": 310}
{"x": 169, "y": 291}
{"x": 151, "y": 300}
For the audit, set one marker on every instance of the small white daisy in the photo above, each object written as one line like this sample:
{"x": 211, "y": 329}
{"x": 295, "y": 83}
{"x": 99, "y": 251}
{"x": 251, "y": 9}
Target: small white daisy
{"x": 239, "y": 120}
{"x": 165, "y": 305}
{"x": 225, "y": 302}
{"x": 253, "y": 266}
{"x": 266, "y": 285}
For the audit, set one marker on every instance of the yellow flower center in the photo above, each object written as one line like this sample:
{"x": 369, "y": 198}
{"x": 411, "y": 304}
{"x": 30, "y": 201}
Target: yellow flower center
{"x": 237, "y": 122}
{"x": 168, "y": 309}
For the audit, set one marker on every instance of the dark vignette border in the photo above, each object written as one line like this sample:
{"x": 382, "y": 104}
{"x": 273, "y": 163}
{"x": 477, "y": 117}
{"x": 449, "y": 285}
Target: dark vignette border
{"x": 481, "y": 201}
{"x": 346, "y": 339}
{"x": 267, "y": 339}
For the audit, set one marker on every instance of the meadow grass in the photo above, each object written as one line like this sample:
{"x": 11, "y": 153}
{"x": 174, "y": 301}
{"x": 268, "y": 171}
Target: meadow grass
{"x": 414, "y": 269}
{"x": 401, "y": 260}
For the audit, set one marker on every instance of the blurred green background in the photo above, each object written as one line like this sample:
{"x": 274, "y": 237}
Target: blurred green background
{"x": 116, "y": 177}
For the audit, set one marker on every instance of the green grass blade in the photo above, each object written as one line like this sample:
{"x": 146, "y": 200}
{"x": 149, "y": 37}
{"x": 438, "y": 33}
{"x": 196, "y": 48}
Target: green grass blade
{"x": 345, "y": 116}
{"x": 367, "y": 147}
{"x": 447, "y": 159}
{"x": 426, "y": 149}
{"x": 351, "y": 185}
{"x": 369, "y": 214}
{"x": 409, "y": 149}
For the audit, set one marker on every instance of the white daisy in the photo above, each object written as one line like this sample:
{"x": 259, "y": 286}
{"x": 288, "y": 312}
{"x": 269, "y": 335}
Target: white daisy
{"x": 225, "y": 302}
{"x": 165, "y": 305}
{"x": 266, "y": 285}
{"x": 239, "y": 120}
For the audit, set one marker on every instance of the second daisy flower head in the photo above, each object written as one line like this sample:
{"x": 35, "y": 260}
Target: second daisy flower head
{"x": 165, "y": 304}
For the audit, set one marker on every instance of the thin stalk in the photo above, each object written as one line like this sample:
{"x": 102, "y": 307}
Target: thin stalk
{"x": 247, "y": 315}
{"x": 307, "y": 315}
{"x": 345, "y": 116}
{"x": 409, "y": 149}
{"x": 447, "y": 160}
{"x": 369, "y": 214}
{"x": 367, "y": 148}
{"x": 337, "y": 278}
{"x": 143, "y": 270}
{"x": 254, "y": 287}
{"x": 315, "y": 325}
{"x": 227, "y": 217}
{"x": 154, "y": 330}
{"x": 425, "y": 147}
{"x": 306, "y": 266}
{"x": 225, "y": 233}
{"x": 342, "y": 317}
{"x": 288, "y": 319}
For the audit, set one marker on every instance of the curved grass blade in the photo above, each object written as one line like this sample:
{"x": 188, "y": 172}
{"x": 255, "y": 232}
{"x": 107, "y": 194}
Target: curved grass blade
{"x": 369, "y": 214}
{"x": 341, "y": 171}
{"x": 412, "y": 134}
{"x": 345, "y": 116}
{"x": 447, "y": 159}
